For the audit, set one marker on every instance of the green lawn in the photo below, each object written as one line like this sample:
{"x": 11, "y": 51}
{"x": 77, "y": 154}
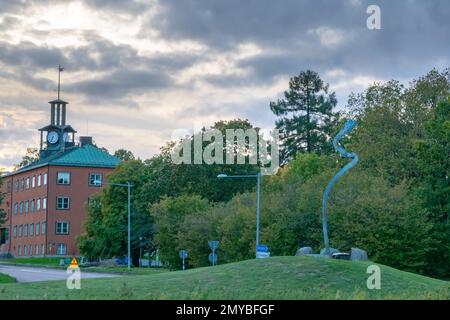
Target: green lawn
{"x": 272, "y": 278}
{"x": 44, "y": 261}
{"x": 6, "y": 279}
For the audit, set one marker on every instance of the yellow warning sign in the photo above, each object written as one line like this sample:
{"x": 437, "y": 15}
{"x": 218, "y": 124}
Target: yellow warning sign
{"x": 73, "y": 263}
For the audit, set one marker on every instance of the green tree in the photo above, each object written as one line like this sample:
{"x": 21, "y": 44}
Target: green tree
{"x": 107, "y": 224}
{"x": 169, "y": 215}
{"x": 433, "y": 187}
{"x": 305, "y": 115}
{"x": 201, "y": 179}
{"x": 31, "y": 156}
{"x": 124, "y": 155}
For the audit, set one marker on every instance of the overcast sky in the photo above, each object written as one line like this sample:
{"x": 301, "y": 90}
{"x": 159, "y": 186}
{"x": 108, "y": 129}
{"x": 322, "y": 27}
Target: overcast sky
{"x": 135, "y": 71}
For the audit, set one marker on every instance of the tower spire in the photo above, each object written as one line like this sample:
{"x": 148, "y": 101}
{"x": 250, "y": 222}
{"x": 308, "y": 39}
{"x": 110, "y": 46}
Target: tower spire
{"x": 59, "y": 79}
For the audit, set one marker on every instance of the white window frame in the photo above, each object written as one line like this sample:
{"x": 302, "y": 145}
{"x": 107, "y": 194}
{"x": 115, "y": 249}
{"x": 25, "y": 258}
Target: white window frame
{"x": 62, "y": 227}
{"x": 39, "y": 180}
{"x": 63, "y": 207}
{"x": 95, "y": 176}
{"x": 45, "y": 178}
{"x": 33, "y": 181}
{"x": 63, "y": 181}
{"x": 60, "y": 252}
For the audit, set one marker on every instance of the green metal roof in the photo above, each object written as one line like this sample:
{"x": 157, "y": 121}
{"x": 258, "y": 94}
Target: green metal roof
{"x": 85, "y": 156}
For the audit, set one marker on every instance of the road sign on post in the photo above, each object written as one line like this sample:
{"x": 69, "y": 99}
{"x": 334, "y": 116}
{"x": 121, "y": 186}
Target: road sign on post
{"x": 213, "y": 245}
{"x": 183, "y": 255}
{"x": 262, "y": 251}
{"x": 212, "y": 258}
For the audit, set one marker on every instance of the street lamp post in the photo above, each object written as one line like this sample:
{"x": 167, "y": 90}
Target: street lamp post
{"x": 258, "y": 177}
{"x": 128, "y": 185}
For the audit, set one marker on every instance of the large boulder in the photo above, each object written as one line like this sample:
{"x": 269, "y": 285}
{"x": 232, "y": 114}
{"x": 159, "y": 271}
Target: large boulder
{"x": 329, "y": 252}
{"x": 358, "y": 254}
{"x": 304, "y": 251}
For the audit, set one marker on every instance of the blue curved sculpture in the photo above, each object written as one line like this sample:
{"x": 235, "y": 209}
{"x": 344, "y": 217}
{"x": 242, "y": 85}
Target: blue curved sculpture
{"x": 349, "y": 125}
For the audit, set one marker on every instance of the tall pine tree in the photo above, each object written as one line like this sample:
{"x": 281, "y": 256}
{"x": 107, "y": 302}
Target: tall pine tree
{"x": 304, "y": 116}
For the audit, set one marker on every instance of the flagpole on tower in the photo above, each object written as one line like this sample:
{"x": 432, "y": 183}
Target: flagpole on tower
{"x": 59, "y": 79}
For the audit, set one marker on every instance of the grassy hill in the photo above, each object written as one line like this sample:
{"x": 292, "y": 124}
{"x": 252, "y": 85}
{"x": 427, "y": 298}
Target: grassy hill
{"x": 6, "y": 279}
{"x": 273, "y": 278}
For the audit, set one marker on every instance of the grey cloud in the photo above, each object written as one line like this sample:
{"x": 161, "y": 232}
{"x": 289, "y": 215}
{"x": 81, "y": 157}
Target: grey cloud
{"x": 413, "y": 37}
{"x": 120, "y": 6}
{"x": 126, "y": 71}
{"x": 122, "y": 82}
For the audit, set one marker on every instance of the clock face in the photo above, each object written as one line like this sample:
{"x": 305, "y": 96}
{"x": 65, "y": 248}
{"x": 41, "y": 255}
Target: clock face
{"x": 52, "y": 137}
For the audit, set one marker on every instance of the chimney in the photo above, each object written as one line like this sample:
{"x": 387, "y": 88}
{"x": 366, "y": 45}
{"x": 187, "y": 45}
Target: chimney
{"x": 85, "y": 141}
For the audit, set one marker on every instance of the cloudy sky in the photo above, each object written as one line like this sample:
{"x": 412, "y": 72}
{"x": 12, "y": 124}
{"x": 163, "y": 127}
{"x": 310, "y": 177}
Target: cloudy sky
{"x": 135, "y": 71}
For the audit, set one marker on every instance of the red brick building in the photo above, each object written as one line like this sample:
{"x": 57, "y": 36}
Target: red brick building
{"x": 46, "y": 201}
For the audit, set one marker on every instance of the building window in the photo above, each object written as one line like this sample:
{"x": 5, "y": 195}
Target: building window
{"x": 20, "y": 231}
{"x": 22, "y": 184}
{"x": 26, "y": 206}
{"x": 44, "y": 227}
{"x": 32, "y": 204}
{"x": 39, "y": 180}
{"x": 63, "y": 178}
{"x": 42, "y": 249}
{"x": 36, "y": 250}
{"x": 31, "y": 250}
{"x": 15, "y": 232}
{"x": 25, "y": 250}
{"x": 37, "y": 229}
{"x": 95, "y": 179}
{"x": 9, "y": 187}
{"x": 16, "y": 208}
{"x": 44, "y": 203}
{"x": 31, "y": 229}
{"x": 28, "y": 183}
{"x": 62, "y": 228}
{"x": 19, "y": 251}
{"x": 38, "y": 204}
{"x": 16, "y": 186}
{"x": 25, "y": 230}
{"x": 33, "y": 181}
{"x": 62, "y": 249}
{"x": 4, "y": 235}
{"x": 21, "y": 208}
{"x": 62, "y": 203}
{"x": 45, "y": 179}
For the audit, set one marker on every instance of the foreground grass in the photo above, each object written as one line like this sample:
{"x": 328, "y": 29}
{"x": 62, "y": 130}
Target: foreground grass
{"x": 6, "y": 279}
{"x": 272, "y": 278}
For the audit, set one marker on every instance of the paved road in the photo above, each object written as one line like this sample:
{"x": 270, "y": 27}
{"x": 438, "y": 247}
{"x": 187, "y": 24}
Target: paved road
{"x": 31, "y": 274}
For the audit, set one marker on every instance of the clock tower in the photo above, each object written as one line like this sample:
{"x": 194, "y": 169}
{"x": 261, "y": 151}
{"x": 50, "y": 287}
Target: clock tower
{"x": 58, "y": 135}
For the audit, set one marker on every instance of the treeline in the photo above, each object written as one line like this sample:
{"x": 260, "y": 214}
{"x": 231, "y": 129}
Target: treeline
{"x": 394, "y": 203}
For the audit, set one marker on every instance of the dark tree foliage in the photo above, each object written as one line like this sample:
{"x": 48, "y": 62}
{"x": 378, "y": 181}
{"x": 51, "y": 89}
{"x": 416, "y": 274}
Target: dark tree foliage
{"x": 305, "y": 115}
